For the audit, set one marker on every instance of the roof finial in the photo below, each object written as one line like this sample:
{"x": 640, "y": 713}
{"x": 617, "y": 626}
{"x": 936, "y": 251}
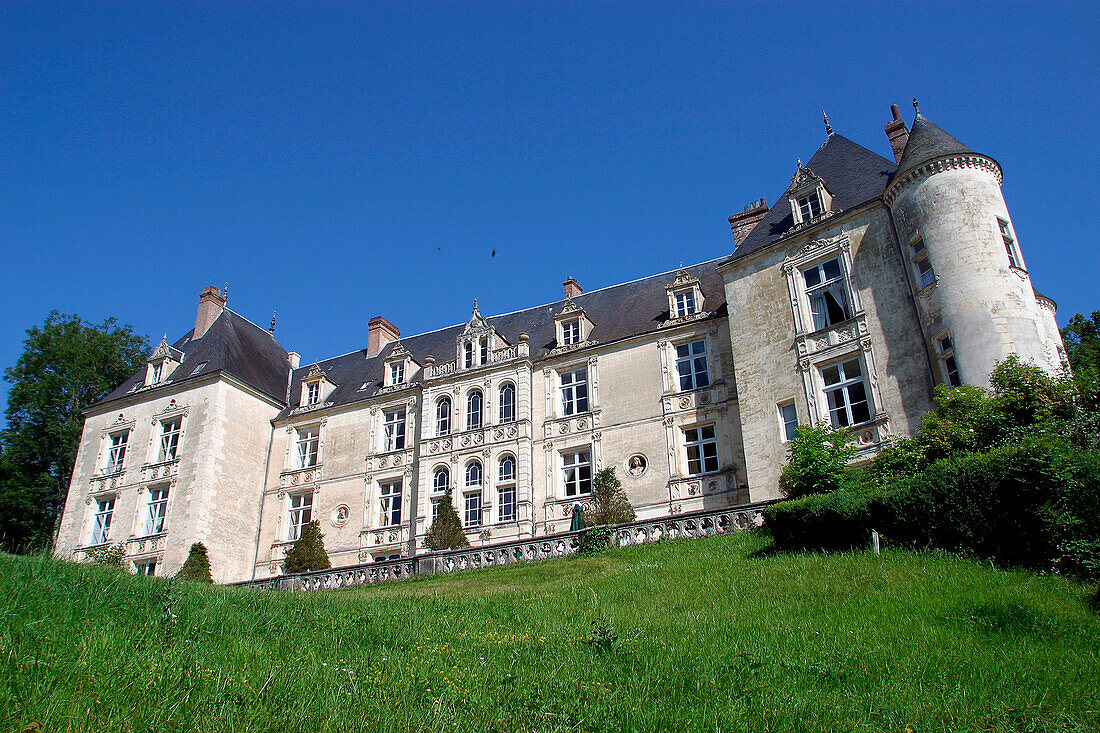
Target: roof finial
{"x": 227, "y": 292}
{"x": 800, "y": 162}
{"x": 828, "y": 127}
{"x": 915, "y": 106}
{"x": 475, "y": 303}
{"x": 271, "y": 329}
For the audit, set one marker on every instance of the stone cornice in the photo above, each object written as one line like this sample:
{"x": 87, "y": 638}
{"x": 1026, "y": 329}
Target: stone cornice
{"x": 938, "y": 165}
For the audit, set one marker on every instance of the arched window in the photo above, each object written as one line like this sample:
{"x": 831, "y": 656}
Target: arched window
{"x": 443, "y": 416}
{"x": 507, "y": 402}
{"x": 473, "y": 475}
{"x": 506, "y": 489}
{"x": 507, "y": 472}
{"x": 441, "y": 479}
{"x": 468, "y": 354}
{"x": 473, "y": 410}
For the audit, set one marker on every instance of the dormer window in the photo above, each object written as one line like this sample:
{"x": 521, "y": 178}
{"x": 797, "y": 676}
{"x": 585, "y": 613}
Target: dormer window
{"x": 808, "y": 196}
{"x": 573, "y": 327}
{"x": 810, "y": 205}
{"x": 397, "y": 373}
{"x": 685, "y": 304}
{"x": 156, "y": 374}
{"x": 313, "y": 393}
{"x": 163, "y": 361}
{"x": 685, "y": 297}
{"x": 399, "y": 365}
{"x": 315, "y": 387}
{"x": 477, "y": 341}
{"x": 571, "y": 332}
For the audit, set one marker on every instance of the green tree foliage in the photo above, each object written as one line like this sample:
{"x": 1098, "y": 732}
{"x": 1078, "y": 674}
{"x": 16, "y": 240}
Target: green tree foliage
{"x": 609, "y": 502}
{"x": 446, "y": 531}
{"x": 66, "y": 365}
{"x": 197, "y": 565}
{"x": 818, "y": 461}
{"x": 1082, "y": 339}
{"x": 308, "y": 551}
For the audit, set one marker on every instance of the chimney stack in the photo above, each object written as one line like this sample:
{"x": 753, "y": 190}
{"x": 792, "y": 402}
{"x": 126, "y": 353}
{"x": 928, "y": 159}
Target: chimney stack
{"x": 294, "y": 359}
{"x": 898, "y": 133}
{"x": 742, "y": 223}
{"x": 379, "y": 333}
{"x": 572, "y": 288}
{"x": 211, "y": 305}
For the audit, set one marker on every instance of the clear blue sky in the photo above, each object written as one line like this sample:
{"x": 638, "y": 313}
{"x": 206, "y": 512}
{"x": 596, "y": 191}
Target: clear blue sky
{"x": 335, "y": 161}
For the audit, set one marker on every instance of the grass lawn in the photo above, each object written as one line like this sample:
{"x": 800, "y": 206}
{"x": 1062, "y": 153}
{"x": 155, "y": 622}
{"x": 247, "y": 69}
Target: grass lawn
{"x": 703, "y": 635}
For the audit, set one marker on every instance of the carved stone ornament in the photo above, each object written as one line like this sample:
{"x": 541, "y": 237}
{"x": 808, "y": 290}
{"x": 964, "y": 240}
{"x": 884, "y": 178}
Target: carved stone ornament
{"x": 802, "y": 178}
{"x": 637, "y": 465}
{"x": 340, "y": 515}
{"x": 315, "y": 373}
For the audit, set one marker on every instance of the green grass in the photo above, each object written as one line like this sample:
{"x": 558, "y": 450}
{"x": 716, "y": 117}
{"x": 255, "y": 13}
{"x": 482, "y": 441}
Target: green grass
{"x": 706, "y": 635}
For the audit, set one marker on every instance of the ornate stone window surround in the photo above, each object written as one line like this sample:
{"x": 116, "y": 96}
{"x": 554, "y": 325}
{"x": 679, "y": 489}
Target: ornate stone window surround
{"x": 684, "y": 285}
{"x": 918, "y": 255}
{"x": 806, "y": 186}
{"x": 814, "y": 386}
{"x": 91, "y": 503}
{"x": 172, "y": 411}
{"x": 1006, "y": 234}
{"x": 290, "y": 463}
{"x": 572, "y": 329}
{"x": 378, "y": 413}
{"x": 552, "y": 378}
{"x": 121, "y": 426}
{"x": 144, "y": 492}
{"x": 316, "y": 378}
{"x": 282, "y": 524}
{"x": 163, "y": 362}
{"x": 376, "y": 477}
{"x": 805, "y": 257}
{"x": 666, "y": 348}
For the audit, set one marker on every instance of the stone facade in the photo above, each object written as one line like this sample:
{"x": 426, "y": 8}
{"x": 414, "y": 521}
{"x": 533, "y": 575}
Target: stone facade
{"x": 863, "y": 286}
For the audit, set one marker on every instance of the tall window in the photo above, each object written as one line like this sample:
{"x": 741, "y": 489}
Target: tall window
{"x": 1011, "y": 249}
{"x": 473, "y": 475}
{"x": 390, "y": 494}
{"x": 826, "y": 291}
{"x": 169, "y": 439}
{"x": 948, "y": 365}
{"x": 394, "y": 426}
{"x": 313, "y": 394}
{"x": 810, "y": 205}
{"x": 576, "y": 470}
{"x": 301, "y": 511}
{"x": 506, "y": 489}
{"x": 472, "y": 514}
{"x": 702, "y": 449}
{"x": 685, "y": 303}
{"x": 574, "y": 392}
{"x": 924, "y": 267}
{"x": 691, "y": 365}
{"x": 101, "y": 523}
{"x": 483, "y": 351}
{"x": 157, "y": 372}
{"x": 116, "y": 454}
{"x": 788, "y": 420}
{"x": 308, "y": 440}
{"x": 149, "y": 567}
{"x": 846, "y": 393}
{"x": 507, "y": 402}
{"x": 443, "y": 416}
{"x": 158, "y": 505}
{"x": 473, "y": 410}
{"x": 468, "y": 354}
{"x": 397, "y": 372}
{"x": 441, "y": 479}
{"x": 571, "y": 332}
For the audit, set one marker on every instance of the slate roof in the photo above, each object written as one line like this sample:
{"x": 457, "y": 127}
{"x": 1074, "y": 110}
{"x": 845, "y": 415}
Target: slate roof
{"x": 233, "y": 345}
{"x": 617, "y": 312}
{"x": 852, "y": 173}
{"x": 928, "y": 141}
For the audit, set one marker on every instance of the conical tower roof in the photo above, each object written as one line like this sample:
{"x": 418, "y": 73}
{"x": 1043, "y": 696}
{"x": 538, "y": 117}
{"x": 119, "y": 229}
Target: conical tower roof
{"x": 927, "y": 141}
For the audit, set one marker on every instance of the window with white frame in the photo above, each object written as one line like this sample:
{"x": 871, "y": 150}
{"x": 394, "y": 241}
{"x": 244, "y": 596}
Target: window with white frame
{"x": 474, "y": 406}
{"x": 436, "y": 501}
{"x": 1011, "y": 248}
{"x": 169, "y": 439}
{"x": 574, "y": 392}
{"x": 809, "y": 205}
{"x": 925, "y": 275}
{"x": 101, "y": 521}
{"x": 397, "y": 372}
{"x": 305, "y": 455}
{"x": 483, "y": 350}
{"x": 472, "y": 510}
{"x": 691, "y": 365}
{"x": 116, "y": 452}
{"x": 846, "y": 393}
{"x": 571, "y": 332}
{"x": 685, "y": 303}
{"x": 507, "y": 402}
{"x": 148, "y": 567}
{"x": 394, "y": 429}
{"x": 468, "y": 354}
{"x": 506, "y": 489}
{"x": 443, "y": 416}
{"x": 300, "y": 514}
{"x": 827, "y": 293}
{"x": 702, "y": 450}
{"x": 313, "y": 393}
{"x": 389, "y": 493}
{"x": 441, "y": 480}
{"x": 156, "y": 510}
{"x": 473, "y": 475}
{"x": 788, "y": 421}
{"x": 948, "y": 365}
{"x": 576, "y": 470}
{"x": 156, "y": 372}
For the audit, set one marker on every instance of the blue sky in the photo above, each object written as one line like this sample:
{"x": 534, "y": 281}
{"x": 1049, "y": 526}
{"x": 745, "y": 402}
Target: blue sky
{"x": 336, "y": 161}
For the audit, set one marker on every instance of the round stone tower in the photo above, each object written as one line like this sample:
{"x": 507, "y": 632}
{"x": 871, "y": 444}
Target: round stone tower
{"x": 973, "y": 291}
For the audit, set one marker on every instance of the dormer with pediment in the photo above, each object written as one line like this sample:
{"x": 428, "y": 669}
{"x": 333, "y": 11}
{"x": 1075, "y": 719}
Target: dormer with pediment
{"x": 809, "y": 198}
{"x": 477, "y": 341}
{"x": 163, "y": 362}
{"x": 400, "y": 367}
{"x": 316, "y": 388}
{"x": 685, "y": 299}
{"x": 572, "y": 327}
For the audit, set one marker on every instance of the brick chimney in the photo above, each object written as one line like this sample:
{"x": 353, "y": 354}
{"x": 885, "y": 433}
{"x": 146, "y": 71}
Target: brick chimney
{"x": 743, "y": 222}
{"x": 898, "y": 133}
{"x": 572, "y": 288}
{"x": 379, "y": 333}
{"x": 211, "y": 305}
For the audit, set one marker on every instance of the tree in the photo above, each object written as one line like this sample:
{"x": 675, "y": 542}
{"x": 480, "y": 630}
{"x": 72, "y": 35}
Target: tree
{"x": 308, "y": 551}
{"x": 446, "y": 531}
{"x": 197, "y": 565}
{"x": 66, "y": 365}
{"x": 609, "y": 502}
{"x": 819, "y": 456}
{"x": 1082, "y": 339}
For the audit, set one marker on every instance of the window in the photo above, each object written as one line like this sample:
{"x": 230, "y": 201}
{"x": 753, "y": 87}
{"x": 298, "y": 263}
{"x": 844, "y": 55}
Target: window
{"x": 308, "y": 440}
{"x": 435, "y": 507}
{"x": 826, "y": 291}
{"x": 441, "y": 479}
{"x": 947, "y": 361}
{"x": 473, "y": 475}
{"x": 691, "y": 365}
{"x": 387, "y": 558}
{"x": 313, "y": 394}
{"x": 1014, "y": 258}
{"x": 116, "y": 454}
{"x": 156, "y": 373}
{"x": 507, "y": 402}
{"x": 157, "y": 508}
{"x": 571, "y": 332}
{"x": 846, "y": 393}
{"x": 395, "y": 429}
{"x": 201, "y": 365}
{"x": 702, "y": 450}
{"x": 148, "y": 567}
{"x": 473, "y": 410}
{"x": 577, "y": 473}
{"x": 685, "y": 303}
{"x": 483, "y": 351}
{"x": 574, "y": 392}
{"x": 472, "y": 514}
{"x": 468, "y": 354}
{"x": 390, "y": 494}
{"x": 925, "y": 274}
{"x": 506, "y": 489}
{"x": 809, "y": 205}
{"x": 169, "y": 439}
{"x": 101, "y": 524}
{"x": 301, "y": 511}
{"x": 397, "y": 372}
{"x": 788, "y": 420}
{"x": 443, "y": 416}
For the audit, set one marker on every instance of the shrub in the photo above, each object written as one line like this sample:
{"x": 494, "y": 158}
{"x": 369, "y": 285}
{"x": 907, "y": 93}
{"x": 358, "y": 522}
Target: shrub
{"x": 446, "y": 532}
{"x": 595, "y": 539}
{"x": 197, "y": 565}
{"x": 107, "y": 555}
{"x": 308, "y": 551}
{"x": 609, "y": 502}
{"x": 819, "y": 456}
{"x": 835, "y": 521}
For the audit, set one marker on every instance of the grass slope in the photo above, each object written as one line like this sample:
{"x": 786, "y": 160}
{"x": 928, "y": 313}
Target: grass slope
{"x": 705, "y": 635}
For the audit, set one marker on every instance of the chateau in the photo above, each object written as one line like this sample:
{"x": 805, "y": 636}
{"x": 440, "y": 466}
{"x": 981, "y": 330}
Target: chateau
{"x": 867, "y": 283}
